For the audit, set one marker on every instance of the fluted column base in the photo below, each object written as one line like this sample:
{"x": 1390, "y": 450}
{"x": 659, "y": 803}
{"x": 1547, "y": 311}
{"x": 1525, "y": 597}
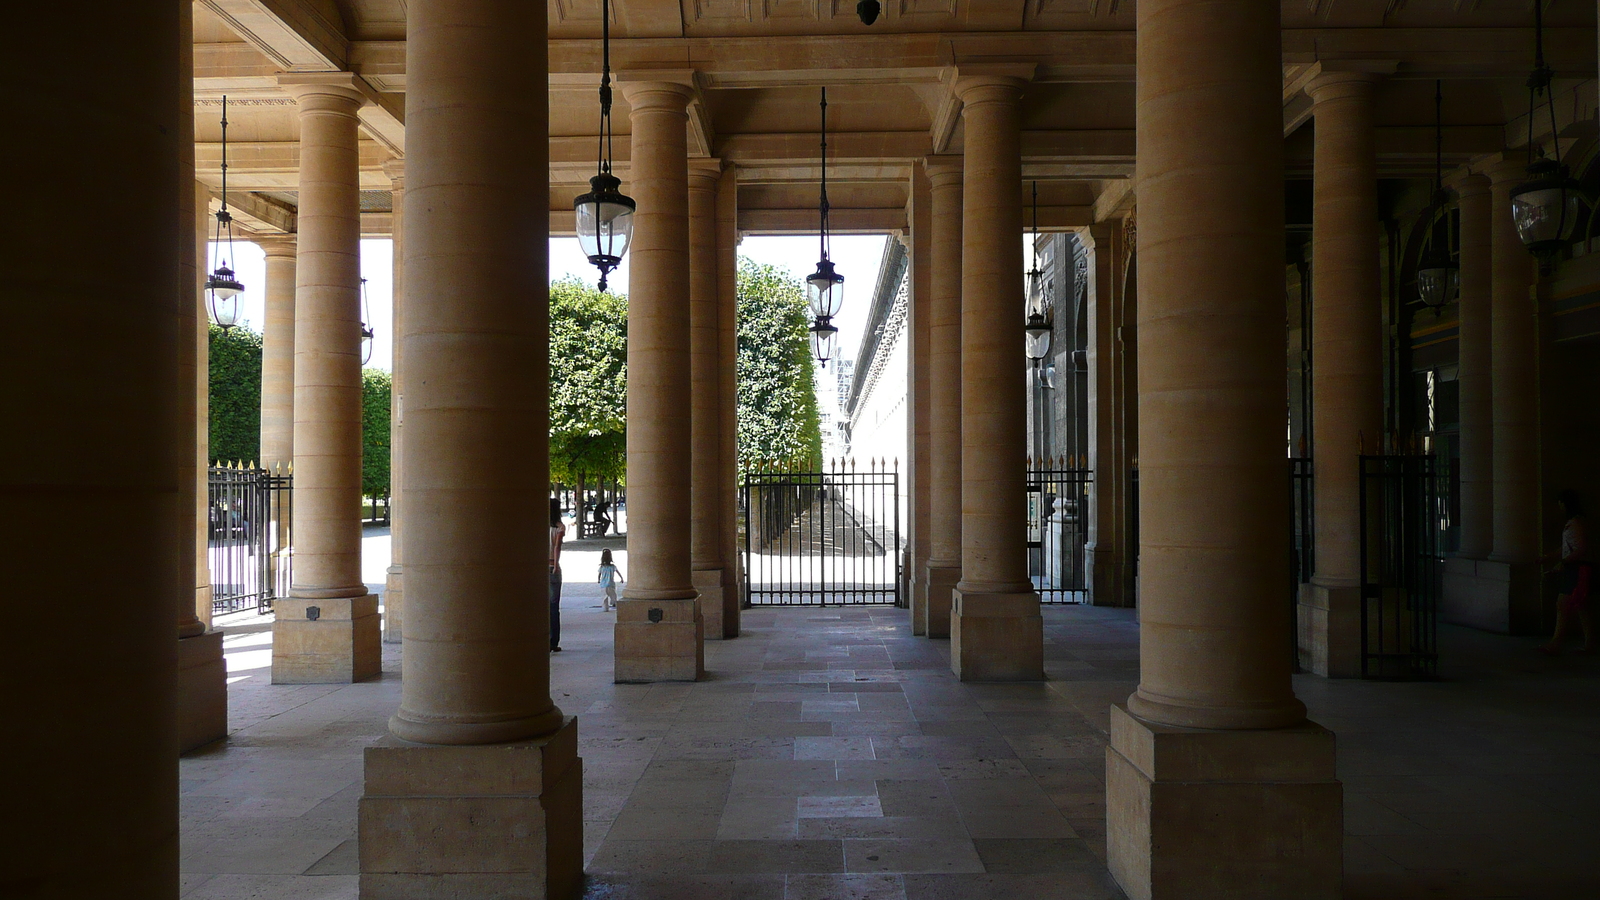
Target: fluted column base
{"x": 494, "y": 820}
{"x": 659, "y": 640}
{"x": 996, "y": 636}
{"x": 941, "y": 584}
{"x": 202, "y": 691}
{"x": 1205, "y": 815}
{"x": 326, "y": 641}
{"x": 394, "y": 604}
{"x": 1329, "y": 629}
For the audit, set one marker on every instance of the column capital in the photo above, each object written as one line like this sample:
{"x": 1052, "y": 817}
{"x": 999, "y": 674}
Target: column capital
{"x": 944, "y": 170}
{"x": 395, "y": 168}
{"x": 992, "y": 84}
{"x": 1466, "y": 183}
{"x": 277, "y": 246}
{"x": 337, "y": 92}
{"x": 1502, "y": 168}
{"x": 704, "y": 173}
{"x": 1341, "y": 85}
{"x": 658, "y": 89}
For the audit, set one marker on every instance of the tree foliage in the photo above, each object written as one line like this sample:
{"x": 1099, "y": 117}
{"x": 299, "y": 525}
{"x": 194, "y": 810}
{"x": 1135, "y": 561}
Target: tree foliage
{"x": 588, "y": 382}
{"x": 235, "y": 394}
{"x": 779, "y": 423}
{"x": 376, "y": 386}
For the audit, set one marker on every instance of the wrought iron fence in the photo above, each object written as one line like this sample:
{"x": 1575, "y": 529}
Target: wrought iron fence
{"x": 1058, "y": 529}
{"x": 249, "y": 547}
{"x": 1400, "y": 521}
{"x": 830, "y": 537}
{"x": 1302, "y": 535}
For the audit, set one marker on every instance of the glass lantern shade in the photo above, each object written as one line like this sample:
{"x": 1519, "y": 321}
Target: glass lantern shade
{"x": 825, "y": 291}
{"x": 1437, "y": 281}
{"x": 605, "y": 222}
{"x": 1038, "y": 334}
{"x": 824, "y": 339}
{"x": 222, "y": 297}
{"x": 1545, "y": 208}
{"x": 366, "y": 343}
{"x": 1035, "y": 291}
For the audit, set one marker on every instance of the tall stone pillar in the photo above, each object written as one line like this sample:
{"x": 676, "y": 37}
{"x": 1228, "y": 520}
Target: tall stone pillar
{"x": 705, "y": 375}
{"x": 90, "y": 705}
{"x": 1514, "y": 406}
{"x": 1113, "y": 433}
{"x": 277, "y": 354}
{"x": 919, "y": 372}
{"x": 943, "y": 569}
{"x": 1476, "y": 411}
{"x": 1216, "y": 785}
{"x": 727, "y": 369}
{"x": 996, "y": 631}
{"x": 659, "y": 631}
{"x": 326, "y": 630}
{"x": 1347, "y": 370}
{"x": 394, "y": 588}
{"x": 479, "y": 790}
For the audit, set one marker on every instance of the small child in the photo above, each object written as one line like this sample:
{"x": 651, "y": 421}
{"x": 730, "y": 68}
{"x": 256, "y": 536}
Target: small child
{"x": 609, "y": 576}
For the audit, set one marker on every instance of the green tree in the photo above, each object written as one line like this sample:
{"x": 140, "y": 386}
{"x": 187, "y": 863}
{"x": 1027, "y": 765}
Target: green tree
{"x": 376, "y": 386}
{"x": 235, "y": 394}
{"x": 588, "y": 383}
{"x": 779, "y": 423}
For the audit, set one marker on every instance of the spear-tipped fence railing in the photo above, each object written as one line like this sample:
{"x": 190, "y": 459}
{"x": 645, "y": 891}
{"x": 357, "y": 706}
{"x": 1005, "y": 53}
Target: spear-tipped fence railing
{"x": 249, "y": 546}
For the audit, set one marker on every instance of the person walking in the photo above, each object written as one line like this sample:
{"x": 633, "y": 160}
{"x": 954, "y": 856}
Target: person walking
{"x": 1574, "y": 577}
{"x": 558, "y": 533}
{"x": 609, "y": 576}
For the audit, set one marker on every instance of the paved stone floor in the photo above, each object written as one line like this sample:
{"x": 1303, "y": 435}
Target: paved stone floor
{"x": 830, "y": 755}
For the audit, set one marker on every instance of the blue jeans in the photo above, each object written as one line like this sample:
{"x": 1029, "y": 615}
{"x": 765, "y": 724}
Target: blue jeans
{"x": 555, "y": 608}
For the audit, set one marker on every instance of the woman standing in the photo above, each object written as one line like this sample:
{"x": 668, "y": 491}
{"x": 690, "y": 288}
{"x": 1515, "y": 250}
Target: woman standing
{"x": 558, "y": 533}
{"x": 1574, "y": 577}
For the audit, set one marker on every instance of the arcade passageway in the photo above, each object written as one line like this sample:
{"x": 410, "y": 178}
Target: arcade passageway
{"x": 830, "y": 755}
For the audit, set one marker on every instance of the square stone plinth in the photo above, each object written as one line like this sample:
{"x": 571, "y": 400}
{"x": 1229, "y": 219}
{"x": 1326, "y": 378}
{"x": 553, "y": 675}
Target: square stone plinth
{"x": 996, "y": 637}
{"x": 659, "y": 640}
{"x": 394, "y": 605}
{"x": 202, "y": 691}
{"x": 1493, "y": 596}
{"x": 1329, "y": 622}
{"x": 713, "y": 612}
{"x": 935, "y": 612}
{"x": 491, "y": 821}
{"x": 1193, "y": 814}
{"x": 732, "y": 601}
{"x": 333, "y": 641}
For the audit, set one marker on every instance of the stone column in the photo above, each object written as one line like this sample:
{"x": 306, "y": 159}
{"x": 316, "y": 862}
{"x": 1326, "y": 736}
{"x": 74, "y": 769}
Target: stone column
{"x": 1347, "y": 369}
{"x": 996, "y": 632}
{"x": 202, "y": 673}
{"x": 659, "y": 631}
{"x": 1216, "y": 785}
{"x": 89, "y": 706}
{"x": 394, "y": 588}
{"x": 326, "y": 630}
{"x": 727, "y": 368}
{"x": 1514, "y": 402}
{"x": 1476, "y": 412}
{"x": 919, "y": 329}
{"x": 1112, "y": 430}
{"x": 277, "y": 354}
{"x": 705, "y": 374}
{"x": 479, "y": 791}
{"x": 943, "y": 570}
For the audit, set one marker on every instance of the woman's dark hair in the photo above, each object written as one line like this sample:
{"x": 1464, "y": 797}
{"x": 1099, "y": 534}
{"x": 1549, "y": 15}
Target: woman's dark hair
{"x": 555, "y": 511}
{"x": 1572, "y": 502}
{"x": 605, "y": 557}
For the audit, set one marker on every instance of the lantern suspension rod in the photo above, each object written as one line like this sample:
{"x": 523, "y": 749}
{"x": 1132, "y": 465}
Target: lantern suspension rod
{"x": 1438, "y": 136}
{"x": 823, "y": 205}
{"x": 605, "y": 87}
{"x": 224, "y": 152}
{"x": 1539, "y": 85}
{"x": 1035, "y": 224}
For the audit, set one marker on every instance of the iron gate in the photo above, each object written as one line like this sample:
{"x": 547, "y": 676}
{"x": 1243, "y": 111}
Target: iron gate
{"x": 248, "y": 546}
{"x": 1401, "y": 511}
{"x": 1058, "y": 530}
{"x": 822, "y": 538}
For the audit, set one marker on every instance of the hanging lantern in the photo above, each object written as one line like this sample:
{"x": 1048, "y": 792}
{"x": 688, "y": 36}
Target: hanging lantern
{"x": 824, "y": 339}
{"x": 1544, "y": 208}
{"x": 1038, "y": 336}
{"x": 366, "y": 328}
{"x": 222, "y": 287}
{"x": 1037, "y": 328}
{"x": 825, "y": 290}
{"x": 605, "y": 214}
{"x": 1438, "y": 276}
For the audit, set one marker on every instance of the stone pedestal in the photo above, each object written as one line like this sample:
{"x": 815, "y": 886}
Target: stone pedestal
{"x": 996, "y": 636}
{"x": 941, "y": 582}
{"x": 394, "y": 604}
{"x": 202, "y": 691}
{"x": 712, "y": 585}
{"x": 659, "y": 640}
{"x": 332, "y": 641}
{"x": 485, "y": 821}
{"x": 1194, "y": 814}
{"x": 1329, "y": 625}
{"x": 1501, "y": 597}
